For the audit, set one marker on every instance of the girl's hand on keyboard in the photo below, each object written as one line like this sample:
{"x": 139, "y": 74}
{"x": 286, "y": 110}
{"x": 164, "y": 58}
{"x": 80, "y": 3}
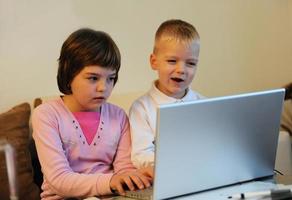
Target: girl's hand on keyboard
{"x": 132, "y": 179}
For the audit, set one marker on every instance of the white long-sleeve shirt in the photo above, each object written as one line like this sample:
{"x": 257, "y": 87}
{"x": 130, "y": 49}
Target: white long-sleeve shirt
{"x": 142, "y": 117}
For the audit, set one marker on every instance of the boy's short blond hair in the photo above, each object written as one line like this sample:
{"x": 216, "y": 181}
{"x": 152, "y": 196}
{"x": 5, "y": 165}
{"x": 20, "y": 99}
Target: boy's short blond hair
{"x": 176, "y": 29}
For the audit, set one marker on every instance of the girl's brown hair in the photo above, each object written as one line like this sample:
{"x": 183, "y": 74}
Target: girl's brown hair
{"x": 82, "y": 48}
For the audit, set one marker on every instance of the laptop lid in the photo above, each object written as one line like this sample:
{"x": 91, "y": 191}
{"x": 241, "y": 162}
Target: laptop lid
{"x": 215, "y": 142}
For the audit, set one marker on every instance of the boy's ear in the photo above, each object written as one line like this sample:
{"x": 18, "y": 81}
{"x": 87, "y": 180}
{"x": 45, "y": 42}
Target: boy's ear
{"x": 153, "y": 61}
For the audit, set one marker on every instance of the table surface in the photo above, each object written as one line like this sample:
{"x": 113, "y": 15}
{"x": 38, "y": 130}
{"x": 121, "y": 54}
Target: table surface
{"x": 224, "y": 192}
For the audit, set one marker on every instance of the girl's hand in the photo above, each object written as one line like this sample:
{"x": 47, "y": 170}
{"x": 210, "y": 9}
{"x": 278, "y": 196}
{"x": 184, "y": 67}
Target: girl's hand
{"x": 132, "y": 180}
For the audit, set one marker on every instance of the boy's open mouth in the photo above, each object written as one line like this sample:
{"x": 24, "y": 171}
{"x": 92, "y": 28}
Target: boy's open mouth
{"x": 178, "y": 80}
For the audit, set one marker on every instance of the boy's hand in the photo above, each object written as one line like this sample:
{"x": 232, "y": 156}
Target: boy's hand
{"x": 132, "y": 179}
{"x": 147, "y": 171}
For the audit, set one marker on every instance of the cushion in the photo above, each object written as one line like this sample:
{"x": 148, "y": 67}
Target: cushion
{"x": 14, "y": 127}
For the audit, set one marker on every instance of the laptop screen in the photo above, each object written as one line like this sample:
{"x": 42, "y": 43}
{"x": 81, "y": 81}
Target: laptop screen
{"x": 215, "y": 142}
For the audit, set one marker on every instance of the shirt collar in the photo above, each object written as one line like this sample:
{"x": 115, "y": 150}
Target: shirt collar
{"x": 162, "y": 98}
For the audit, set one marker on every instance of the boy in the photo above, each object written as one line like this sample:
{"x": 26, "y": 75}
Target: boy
{"x": 175, "y": 57}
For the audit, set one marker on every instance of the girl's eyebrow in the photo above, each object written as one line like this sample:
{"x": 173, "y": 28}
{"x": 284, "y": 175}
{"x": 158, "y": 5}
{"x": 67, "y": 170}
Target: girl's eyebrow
{"x": 113, "y": 74}
{"x": 97, "y": 74}
{"x": 91, "y": 73}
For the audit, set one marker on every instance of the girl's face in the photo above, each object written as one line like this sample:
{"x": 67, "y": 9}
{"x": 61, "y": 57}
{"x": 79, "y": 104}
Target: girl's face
{"x": 91, "y": 87}
{"x": 176, "y": 64}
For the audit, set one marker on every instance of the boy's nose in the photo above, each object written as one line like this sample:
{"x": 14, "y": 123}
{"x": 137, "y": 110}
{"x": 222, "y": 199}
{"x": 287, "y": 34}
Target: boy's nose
{"x": 180, "y": 68}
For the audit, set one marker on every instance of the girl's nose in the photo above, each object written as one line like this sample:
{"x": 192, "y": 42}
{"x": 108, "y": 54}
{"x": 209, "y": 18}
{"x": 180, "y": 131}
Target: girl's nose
{"x": 101, "y": 86}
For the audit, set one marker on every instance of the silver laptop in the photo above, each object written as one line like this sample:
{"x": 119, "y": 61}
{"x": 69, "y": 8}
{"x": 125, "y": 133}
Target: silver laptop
{"x": 215, "y": 142}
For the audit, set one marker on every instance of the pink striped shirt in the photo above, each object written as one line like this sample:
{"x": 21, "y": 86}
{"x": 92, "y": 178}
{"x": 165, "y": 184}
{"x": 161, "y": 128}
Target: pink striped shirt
{"x": 71, "y": 166}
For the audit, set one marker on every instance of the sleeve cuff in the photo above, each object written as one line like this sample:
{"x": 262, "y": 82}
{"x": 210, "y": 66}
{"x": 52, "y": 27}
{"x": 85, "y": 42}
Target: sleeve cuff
{"x": 103, "y": 184}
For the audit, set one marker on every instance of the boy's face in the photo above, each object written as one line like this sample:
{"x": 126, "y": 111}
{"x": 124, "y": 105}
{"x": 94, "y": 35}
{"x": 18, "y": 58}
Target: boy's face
{"x": 91, "y": 87}
{"x": 176, "y": 64}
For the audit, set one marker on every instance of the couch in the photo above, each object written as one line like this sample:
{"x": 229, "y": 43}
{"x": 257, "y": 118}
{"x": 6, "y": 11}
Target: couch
{"x": 15, "y": 128}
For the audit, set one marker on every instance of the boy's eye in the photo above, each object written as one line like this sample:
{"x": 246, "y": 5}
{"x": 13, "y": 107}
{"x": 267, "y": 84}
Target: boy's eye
{"x": 192, "y": 64}
{"x": 171, "y": 61}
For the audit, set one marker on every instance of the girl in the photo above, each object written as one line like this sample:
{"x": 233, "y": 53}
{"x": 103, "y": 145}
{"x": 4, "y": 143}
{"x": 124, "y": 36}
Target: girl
{"x": 83, "y": 142}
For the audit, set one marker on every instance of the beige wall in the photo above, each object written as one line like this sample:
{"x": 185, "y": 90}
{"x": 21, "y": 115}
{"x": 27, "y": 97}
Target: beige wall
{"x": 246, "y": 44}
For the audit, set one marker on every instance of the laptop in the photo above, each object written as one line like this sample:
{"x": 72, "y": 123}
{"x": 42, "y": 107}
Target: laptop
{"x": 216, "y": 142}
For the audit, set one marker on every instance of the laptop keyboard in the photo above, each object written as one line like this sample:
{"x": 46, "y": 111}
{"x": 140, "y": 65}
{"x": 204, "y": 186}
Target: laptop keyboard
{"x": 145, "y": 194}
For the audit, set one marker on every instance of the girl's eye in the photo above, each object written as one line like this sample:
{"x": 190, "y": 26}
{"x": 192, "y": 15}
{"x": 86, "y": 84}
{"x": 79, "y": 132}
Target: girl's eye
{"x": 111, "y": 79}
{"x": 92, "y": 78}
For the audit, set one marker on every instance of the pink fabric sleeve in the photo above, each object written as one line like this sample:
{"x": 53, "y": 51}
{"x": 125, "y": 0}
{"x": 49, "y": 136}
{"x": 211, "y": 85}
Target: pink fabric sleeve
{"x": 123, "y": 161}
{"x": 57, "y": 172}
